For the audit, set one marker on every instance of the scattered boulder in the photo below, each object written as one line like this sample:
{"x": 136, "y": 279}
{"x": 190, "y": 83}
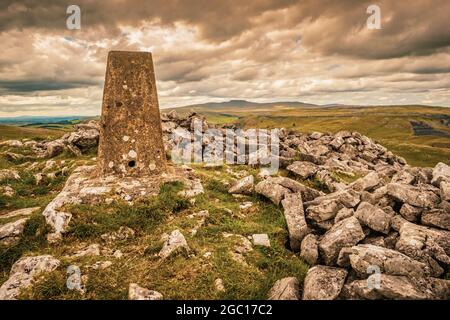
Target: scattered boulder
{"x": 295, "y": 219}
{"x": 24, "y": 272}
{"x": 410, "y": 212}
{"x": 441, "y": 172}
{"x": 373, "y": 217}
{"x": 343, "y": 214}
{"x": 91, "y": 250}
{"x": 261, "y": 240}
{"x": 415, "y": 196}
{"x": 363, "y": 256}
{"x": 400, "y": 288}
{"x": 445, "y": 190}
{"x": 135, "y": 292}
{"x": 218, "y": 284}
{"x": 12, "y": 143}
{"x": 9, "y": 174}
{"x": 123, "y": 233}
{"x": 345, "y": 233}
{"x": 285, "y": 289}
{"x": 303, "y": 169}
{"x": 436, "y": 218}
{"x": 309, "y": 249}
{"x": 10, "y": 232}
{"x": 323, "y": 283}
{"x": 243, "y": 186}
{"x": 368, "y": 182}
{"x": 271, "y": 190}
{"x": 19, "y": 213}
{"x": 174, "y": 243}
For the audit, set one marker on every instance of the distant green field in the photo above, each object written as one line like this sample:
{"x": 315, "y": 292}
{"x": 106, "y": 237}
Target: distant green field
{"x": 9, "y": 132}
{"x": 389, "y": 125}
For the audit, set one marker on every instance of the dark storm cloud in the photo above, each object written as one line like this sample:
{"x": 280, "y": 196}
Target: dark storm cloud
{"x": 23, "y": 86}
{"x": 256, "y": 49}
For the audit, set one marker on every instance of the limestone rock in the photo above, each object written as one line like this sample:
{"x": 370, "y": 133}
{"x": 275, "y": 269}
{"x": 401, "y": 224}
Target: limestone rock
{"x": 441, "y": 172}
{"x": 343, "y": 214}
{"x": 345, "y": 233}
{"x": 91, "y": 250}
{"x": 436, "y": 218}
{"x": 303, "y": 169}
{"x": 373, "y": 217}
{"x": 367, "y": 182}
{"x": 218, "y": 284}
{"x": 11, "y": 230}
{"x": 445, "y": 190}
{"x": 194, "y": 188}
{"x": 323, "y": 283}
{"x": 261, "y": 240}
{"x": 19, "y": 213}
{"x": 401, "y": 288}
{"x": 309, "y": 249}
{"x": 175, "y": 243}
{"x": 307, "y": 193}
{"x": 392, "y": 262}
{"x": 326, "y": 210}
{"x": 24, "y": 272}
{"x": 285, "y": 289}
{"x": 54, "y": 148}
{"x": 410, "y": 212}
{"x": 84, "y": 139}
{"x": 271, "y": 190}
{"x": 412, "y": 195}
{"x": 7, "y": 191}
{"x": 135, "y": 292}
{"x": 12, "y": 143}
{"x": 243, "y": 186}
{"x": 122, "y": 234}
{"x": 295, "y": 219}
{"x": 9, "y": 174}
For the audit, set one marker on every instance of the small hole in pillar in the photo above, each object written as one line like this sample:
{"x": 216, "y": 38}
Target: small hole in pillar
{"x": 131, "y": 163}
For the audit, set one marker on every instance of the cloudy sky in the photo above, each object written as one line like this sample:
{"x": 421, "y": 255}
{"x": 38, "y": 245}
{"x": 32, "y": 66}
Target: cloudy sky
{"x": 316, "y": 51}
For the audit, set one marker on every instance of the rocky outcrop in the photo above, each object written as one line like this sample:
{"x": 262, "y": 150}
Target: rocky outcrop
{"x": 24, "y": 272}
{"x": 399, "y": 288}
{"x": 174, "y": 243}
{"x": 135, "y": 292}
{"x": 10, "y": 232}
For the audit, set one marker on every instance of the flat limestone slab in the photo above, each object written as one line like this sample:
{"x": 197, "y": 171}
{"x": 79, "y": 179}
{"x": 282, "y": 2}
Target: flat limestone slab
{"x": 131, "y": 142}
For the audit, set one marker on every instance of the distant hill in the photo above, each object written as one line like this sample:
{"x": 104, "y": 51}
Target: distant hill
{"x": 243, "y": 105}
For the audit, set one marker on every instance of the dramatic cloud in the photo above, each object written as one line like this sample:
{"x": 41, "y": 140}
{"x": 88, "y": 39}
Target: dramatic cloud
{"x": 317, "y": 51}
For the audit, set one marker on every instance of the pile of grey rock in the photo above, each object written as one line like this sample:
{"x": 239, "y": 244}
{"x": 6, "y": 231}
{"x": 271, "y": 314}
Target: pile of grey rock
{"x": 384, "y": 236}
{"x": 84, "y": 137}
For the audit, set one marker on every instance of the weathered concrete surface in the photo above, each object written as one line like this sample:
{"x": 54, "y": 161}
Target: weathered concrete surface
{"x": 131, "y": 142}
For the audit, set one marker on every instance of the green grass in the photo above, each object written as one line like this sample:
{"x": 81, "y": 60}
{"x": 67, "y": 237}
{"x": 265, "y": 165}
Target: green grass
{"x": 32, "y": 239}
{"x": 10, "y": 132}
{"x": 90, "y": 221}
{"x": 183, "y": 276}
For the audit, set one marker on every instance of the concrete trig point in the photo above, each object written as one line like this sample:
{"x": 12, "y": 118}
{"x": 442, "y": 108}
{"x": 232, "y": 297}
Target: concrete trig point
{"x": 131, "y": 142}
